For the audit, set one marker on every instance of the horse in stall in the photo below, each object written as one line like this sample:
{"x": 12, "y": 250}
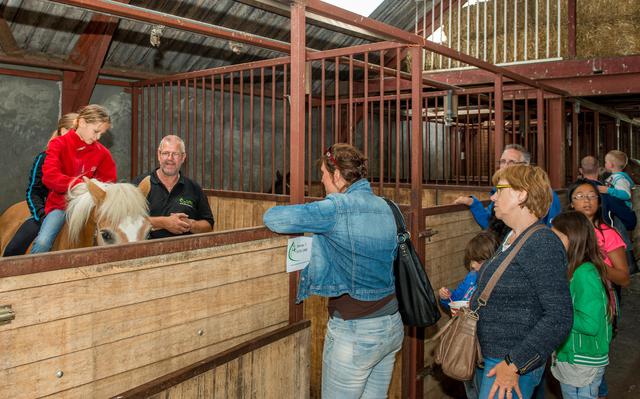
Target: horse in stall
{"x": 97, "y": 214}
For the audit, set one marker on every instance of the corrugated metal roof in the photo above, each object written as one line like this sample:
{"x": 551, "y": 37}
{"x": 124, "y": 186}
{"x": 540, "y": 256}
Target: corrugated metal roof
{"x": 44, "y": 27}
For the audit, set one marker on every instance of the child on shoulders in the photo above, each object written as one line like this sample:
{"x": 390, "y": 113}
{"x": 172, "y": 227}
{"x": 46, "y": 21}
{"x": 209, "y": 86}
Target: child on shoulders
{"x": 619, "y": 184}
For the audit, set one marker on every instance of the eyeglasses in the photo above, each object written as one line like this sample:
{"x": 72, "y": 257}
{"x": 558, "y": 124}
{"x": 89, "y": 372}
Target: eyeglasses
{"x": 510, "y": 162}
{"x": 329, "y": 154}
{"x": 169, "y": 154}
{"x": 501, "y": 186}
{"x": 585, "y": 197}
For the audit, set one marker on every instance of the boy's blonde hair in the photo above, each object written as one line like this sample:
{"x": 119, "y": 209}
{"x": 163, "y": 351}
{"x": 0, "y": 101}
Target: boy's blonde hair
{"x": 93, "y": 113}
{"x": 618, "y": 158}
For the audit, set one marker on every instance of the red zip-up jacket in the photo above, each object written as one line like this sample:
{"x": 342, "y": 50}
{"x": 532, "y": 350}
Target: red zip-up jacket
{"x": 68, "y": 160}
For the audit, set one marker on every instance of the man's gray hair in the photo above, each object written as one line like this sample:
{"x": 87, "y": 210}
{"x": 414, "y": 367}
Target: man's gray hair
{"x": 526, "y": 155}
{"x": 171, "y": 139}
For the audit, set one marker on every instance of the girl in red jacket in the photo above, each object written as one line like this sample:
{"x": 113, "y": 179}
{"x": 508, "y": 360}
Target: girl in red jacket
{"x": 69, "y": 159}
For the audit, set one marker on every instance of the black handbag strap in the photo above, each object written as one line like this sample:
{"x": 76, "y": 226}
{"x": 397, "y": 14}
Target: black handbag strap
{"x": 486, "y": 292}
{"x": 397, "y": 215}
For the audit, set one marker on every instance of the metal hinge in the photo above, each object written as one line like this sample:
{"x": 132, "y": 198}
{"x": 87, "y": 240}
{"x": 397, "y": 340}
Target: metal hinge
{"x": 6, "y": 314}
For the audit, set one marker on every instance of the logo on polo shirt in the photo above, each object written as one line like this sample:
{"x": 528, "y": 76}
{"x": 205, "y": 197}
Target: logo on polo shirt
{"x": 185, "y": 202}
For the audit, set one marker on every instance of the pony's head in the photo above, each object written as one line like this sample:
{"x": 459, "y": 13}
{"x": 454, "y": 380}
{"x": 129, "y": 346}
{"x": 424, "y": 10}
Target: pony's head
{"x": 119, "y": 212}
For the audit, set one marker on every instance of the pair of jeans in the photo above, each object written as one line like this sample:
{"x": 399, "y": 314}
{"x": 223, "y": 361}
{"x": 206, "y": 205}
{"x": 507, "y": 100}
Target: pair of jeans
{"x": 51, "y": 226}
{"x": 25, "y": 235}
{"x": 359, "y": 355}
{"x": 527, "y": 382}
{"x": 587, "y": 392}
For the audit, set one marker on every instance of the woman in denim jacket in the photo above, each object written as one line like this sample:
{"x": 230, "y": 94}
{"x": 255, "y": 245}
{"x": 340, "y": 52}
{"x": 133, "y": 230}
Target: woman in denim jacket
{"x": 354, "y": 246}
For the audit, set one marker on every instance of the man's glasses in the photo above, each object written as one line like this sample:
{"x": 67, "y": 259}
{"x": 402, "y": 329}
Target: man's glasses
{"x": 169, "y": 154}
{"x": 585, "y": 197}
{"x": 510, "y": 162}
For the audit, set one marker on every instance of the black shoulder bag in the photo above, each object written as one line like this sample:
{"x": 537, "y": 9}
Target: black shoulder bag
{"x": 416, "y": 301}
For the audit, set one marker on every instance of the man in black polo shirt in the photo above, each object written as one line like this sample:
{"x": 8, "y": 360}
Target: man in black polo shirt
{"x": 177, "y": 204}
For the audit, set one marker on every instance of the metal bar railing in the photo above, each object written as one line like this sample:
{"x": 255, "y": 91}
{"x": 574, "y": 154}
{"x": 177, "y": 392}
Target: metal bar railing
{"x": 468, "y": 25}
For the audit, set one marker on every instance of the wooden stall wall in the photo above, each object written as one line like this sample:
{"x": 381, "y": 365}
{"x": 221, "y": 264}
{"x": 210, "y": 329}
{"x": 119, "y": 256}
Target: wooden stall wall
{"x": 91, "y": 330}
{"x": 275, "y": 365}
{"x": 444, "y": 257}
{"x": 245, "y": 210}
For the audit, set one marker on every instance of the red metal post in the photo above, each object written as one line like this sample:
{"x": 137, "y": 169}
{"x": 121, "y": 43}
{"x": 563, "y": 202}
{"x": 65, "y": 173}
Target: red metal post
{"x": 416, "y": 347}
{"x": 556, "y": 143}
{"x": 134, "y": 133}
{"x": 499, "y": 122}
{"x": 540, "y": 118}
{"x": 571, "y": 28}
{"x": 596, "y": 134}
{"x": 575, "y": 147}
{"x": 297, "y": 150}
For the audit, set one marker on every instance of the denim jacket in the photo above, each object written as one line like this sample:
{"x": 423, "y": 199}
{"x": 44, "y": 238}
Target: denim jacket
{"x": 354, "y": 243}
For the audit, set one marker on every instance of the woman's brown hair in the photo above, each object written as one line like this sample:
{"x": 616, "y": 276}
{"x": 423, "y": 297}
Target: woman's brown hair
{"x": 480, "y": 248}
{"x": 583, "y": 245}
{"x": 346, "y": 158}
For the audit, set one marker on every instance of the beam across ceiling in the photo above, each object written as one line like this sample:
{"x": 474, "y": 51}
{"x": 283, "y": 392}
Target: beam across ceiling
{"x": 314, "y": 19}
{"x": 7, "y": 41}
{"x": 90, "y": 51}
{"x": 127, "y": 11}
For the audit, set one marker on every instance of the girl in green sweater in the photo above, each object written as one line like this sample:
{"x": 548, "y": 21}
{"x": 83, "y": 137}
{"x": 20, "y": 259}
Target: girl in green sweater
{"x": 579, "y": 363}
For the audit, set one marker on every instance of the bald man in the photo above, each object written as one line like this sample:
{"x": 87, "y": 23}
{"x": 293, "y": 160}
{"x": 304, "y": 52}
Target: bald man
{"x": 177, "y": 204}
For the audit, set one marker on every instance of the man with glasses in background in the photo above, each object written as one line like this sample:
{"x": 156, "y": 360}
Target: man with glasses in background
{"x": 513, "y": 154}
{"x": 177, "y": 204}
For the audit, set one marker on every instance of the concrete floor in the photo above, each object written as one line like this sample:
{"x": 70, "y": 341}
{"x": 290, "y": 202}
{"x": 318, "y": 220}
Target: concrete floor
{"x": 623, "y": 373}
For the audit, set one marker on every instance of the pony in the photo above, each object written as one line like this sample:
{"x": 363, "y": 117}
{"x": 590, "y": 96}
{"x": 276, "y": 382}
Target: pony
{"x": 97, "y": 214}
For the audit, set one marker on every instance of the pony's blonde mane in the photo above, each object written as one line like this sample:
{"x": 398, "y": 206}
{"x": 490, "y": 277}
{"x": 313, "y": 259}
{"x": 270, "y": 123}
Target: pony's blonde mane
{"x": 122, "y": 200}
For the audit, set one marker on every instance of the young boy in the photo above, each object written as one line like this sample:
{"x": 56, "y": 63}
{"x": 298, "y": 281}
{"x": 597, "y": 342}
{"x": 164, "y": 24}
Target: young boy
{"x": 619, "y": 184}
{"x": 479, "y": 249}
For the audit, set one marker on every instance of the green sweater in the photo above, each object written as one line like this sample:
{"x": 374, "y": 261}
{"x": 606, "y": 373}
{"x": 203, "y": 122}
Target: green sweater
{"x": 588, "y": 342}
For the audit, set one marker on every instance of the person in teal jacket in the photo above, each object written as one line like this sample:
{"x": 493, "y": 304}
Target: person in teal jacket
{"x": 579, "y": 363}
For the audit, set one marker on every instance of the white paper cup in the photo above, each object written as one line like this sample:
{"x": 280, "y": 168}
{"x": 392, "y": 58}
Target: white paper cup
{"x": 457, "y": 305}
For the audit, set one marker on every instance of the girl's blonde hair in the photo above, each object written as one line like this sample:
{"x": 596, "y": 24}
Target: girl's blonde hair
{"x": 93, "y": 113}
{"x": 67, "y": 121}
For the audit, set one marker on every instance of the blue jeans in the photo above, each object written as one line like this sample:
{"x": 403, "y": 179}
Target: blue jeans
{"x": 358, "y": 356}
{"x": 51, "y": 226}
{"x": 603, "y": 390}
{"x": 587, "y": 392}
{"x": 527, "y": 382}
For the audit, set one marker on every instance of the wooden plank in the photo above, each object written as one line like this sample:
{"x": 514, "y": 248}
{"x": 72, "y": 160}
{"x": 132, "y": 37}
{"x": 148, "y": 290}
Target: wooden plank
{"x": 34, "y": 305}
{"x": 111, "y": 386}
{"x": 22, "y": 265}
{"x": 93, "y": 271}
{"x": 47, "y": 340}
{"x": 38, "y": 379}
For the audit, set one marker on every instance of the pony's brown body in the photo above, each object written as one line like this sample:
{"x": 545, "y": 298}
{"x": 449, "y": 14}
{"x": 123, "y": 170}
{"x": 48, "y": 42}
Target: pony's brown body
{"x": 92, "y": 223}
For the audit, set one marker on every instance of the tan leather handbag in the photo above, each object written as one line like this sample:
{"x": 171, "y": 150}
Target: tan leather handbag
{"x": 458, "y": 351}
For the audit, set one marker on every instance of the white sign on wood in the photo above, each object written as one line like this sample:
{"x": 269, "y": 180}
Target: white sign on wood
{"x": 298, "y": 253}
